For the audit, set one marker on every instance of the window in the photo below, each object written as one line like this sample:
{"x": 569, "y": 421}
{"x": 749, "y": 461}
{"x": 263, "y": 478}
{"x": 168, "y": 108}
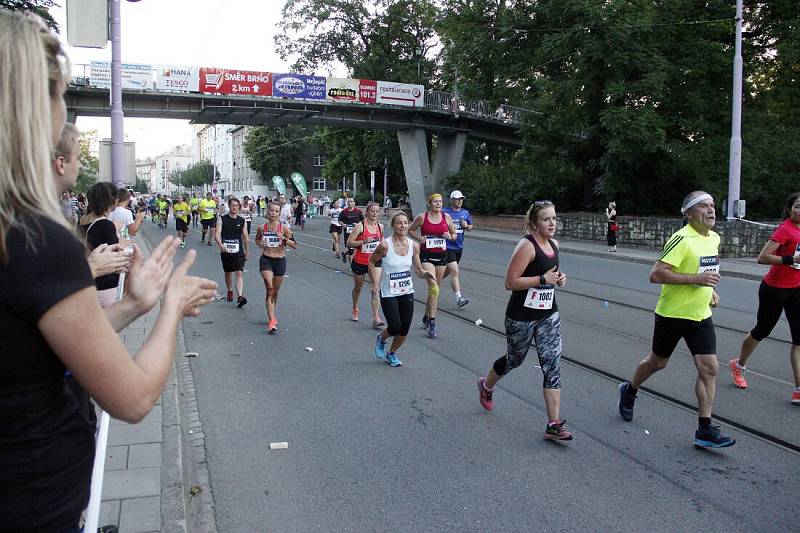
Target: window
{"x": 319, "y": 184}
{"x": 319, "y": 160}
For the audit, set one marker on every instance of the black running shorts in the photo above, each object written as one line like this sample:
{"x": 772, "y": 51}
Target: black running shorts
{"x": 454, "y": 256}
{"x": 699, "y": 336}
{"x": 434, "y": 258}
{"x": 276, "y": 264}
{"x": 232, "y": 262}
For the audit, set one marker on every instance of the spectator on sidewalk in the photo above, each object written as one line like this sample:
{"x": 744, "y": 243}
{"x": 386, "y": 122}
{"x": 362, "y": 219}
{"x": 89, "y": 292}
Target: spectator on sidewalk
{"x": 122, "y": 217}
{"x": 98, "y": 229}
{"x": 50, "y": 315}
{"x": 613, "y": 227}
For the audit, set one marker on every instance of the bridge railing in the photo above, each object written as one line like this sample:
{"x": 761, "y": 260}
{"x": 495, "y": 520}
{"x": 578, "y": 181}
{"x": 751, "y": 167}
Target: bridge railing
{"x": 444, "y": 101}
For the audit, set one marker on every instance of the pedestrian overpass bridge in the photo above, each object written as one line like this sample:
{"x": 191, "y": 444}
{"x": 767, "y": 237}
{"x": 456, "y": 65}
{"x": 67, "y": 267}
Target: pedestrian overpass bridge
{"x": 450, "y": 119}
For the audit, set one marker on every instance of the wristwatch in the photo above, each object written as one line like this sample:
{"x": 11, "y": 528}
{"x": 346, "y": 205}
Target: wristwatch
{"x": 542, "y": 280}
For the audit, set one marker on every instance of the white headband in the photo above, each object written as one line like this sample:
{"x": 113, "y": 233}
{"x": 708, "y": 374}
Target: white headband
{"x": 694, "y": 201}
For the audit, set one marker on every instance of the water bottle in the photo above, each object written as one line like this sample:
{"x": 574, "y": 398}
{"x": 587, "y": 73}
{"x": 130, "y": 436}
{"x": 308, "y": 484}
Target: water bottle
{"x": 605, "y": 304}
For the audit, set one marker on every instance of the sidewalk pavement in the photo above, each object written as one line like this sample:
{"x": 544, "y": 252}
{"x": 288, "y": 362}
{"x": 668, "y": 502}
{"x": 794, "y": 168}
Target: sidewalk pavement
{"x": 746, "y": 268}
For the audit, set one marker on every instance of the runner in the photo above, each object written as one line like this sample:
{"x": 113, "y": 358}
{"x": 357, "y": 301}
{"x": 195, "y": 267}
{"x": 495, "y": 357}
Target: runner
{"x": 194, "y": 204}
{"x": 246, "y": 211}
{"x": 779, "y": 291}
{"x": 532, "y": 315}
{"x": 349, "y": 217}
{"x": 335, "y": 228}
{"x": 436, "y": 228}
{"x": 462, "y": 221}
{"x": 181, "y": 211}
{"x": 365, "y": 239}
{"x": 286, "y": 211}
{"x": 397, "y": 254}
{"x": 688, "y": 270}
{"x": 233, "y": 243}
{"x": 163, "y": 212}
{"x": 152, "y": 206}
{"x": 273, "y": 238}
{"x": 262, "y": 206}
{"x": 208, "y": 216}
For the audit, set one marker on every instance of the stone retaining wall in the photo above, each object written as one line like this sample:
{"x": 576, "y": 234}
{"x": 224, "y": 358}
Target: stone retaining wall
{"x": 738, "y": 239}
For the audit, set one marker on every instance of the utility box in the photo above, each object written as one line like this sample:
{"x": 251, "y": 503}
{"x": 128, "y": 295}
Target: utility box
{"x": 87, "y": 23}
{"x": 739, "y": 208}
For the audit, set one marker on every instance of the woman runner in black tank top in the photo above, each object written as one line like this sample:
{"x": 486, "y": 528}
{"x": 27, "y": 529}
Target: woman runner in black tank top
{"x": 232, "y": 241}
{"x": 532, "y": 316}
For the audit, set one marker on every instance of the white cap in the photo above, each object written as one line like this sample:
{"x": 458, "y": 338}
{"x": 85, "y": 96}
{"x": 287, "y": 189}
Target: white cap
{"x": 456, "y": 194}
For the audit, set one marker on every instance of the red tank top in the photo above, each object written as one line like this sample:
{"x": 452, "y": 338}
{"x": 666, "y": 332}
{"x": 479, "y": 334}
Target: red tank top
{"x": 433, "y": 239}
{"x": 372, "y": 240}
{"x": 272, "y": 239}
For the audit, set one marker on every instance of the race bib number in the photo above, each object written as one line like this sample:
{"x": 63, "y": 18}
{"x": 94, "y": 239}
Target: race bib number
{"x": 349, "y": 228}
{"x": 180, "y": 213}
{"x": 369, "y": 247}
{"x": 457, "y": 225}
{"x": 708, "y": 264}
{"x": 540, "y": 297}
{"x": 210, "y": 210}
{"x": 231, "y": 246}
{"x": 432, "y": 243}
{"x": 335, "y": 219}
{"x": 796, "y": 266}
{"x": 271, "y": 239}
{"x": 400, "y": 283}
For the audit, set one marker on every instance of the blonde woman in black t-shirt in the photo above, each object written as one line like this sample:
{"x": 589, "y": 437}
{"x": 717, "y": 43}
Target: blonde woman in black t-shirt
{"x": 50, "y": 319}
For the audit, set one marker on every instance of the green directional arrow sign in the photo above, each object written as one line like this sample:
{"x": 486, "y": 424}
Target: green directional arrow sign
{"x": 300, "y": 182}
{"x": 279, "y": 184}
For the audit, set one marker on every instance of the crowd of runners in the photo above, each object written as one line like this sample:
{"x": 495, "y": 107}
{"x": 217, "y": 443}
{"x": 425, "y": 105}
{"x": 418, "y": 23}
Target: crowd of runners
{"x": 431, "y": 245}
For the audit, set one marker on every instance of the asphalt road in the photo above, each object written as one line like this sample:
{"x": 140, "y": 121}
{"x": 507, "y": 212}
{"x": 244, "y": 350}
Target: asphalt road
{"x": 375, "y": 448}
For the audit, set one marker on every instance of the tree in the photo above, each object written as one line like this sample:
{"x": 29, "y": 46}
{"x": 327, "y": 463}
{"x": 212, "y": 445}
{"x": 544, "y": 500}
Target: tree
{"x": 90, "y": 164}
{"x": 197, "y": 175}
{"x": 272, "y": 151}
{"x": 38, "y": 7}
{"x": 141, "y": 186}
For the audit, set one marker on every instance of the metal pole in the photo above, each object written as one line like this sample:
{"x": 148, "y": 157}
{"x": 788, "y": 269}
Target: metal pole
{"x": 385, "y": 179}
{"x": 735, "y": 165}
{"x": 117, "y": 116}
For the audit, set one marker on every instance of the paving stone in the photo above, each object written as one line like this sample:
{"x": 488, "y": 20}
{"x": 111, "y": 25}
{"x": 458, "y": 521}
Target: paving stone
{"x": 109, "y": 513}
{"x": 116, "y": 457}
{"x": 132, "y": 483}
{"x": 143, "y": 455}
{"x": 135, "y": 434}
{"x": 140, "y": 515}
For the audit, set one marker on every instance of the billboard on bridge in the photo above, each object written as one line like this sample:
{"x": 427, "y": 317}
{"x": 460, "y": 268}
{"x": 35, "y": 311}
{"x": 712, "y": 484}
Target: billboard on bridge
{"x": 298, "y": 86}
{"x": 134, "y": 75}
{"x": 231, "y": 81}
{"x": 405, "y": 94}
{"x": 171, "y": 78}
{"x": 342, "y": 90}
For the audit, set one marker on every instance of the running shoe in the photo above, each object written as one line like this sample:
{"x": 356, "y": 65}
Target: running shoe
{"x": 209, "y": 243}
{"x": 796, "y": 397}
{"x": 737, "y": 374}
{"x": 354, "y": 318}
{"x": 272, "y": 326}
{"x": 625, "y": 403}
{"x": 344, "y": 257}
{"x": 484, "y": 394}
{"x": 183, "y": 244}
{"x": 426, "y": 322}
{"x": 712, "y": 438}
{"x": 462, "y": 302}
{"x": 241, "y": 302}
{"x": 431, "y": 329}
{"x": 378, "y": 324}
{"x": 380, "y": 348}
{"x": 556, "y": 431}
{"x": 230, "y": 296}
{"x": 392, "y": 360}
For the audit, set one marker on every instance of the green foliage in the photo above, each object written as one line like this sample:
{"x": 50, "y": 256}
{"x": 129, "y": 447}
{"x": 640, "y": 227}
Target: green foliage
{"x": 141, "y": 186}
{"x": 90, "y": 165}
{"x": 276, "y": 151}
{"x": 197, "y": 175}
{"x": 38, "y": 7}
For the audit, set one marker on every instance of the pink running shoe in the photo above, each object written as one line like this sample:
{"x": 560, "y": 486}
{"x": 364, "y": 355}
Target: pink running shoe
{"x": 737, "y": 374}
{"x": 796, "y": 397}
{"x": 556, "y": 431}
{"x": 484, "y": 394}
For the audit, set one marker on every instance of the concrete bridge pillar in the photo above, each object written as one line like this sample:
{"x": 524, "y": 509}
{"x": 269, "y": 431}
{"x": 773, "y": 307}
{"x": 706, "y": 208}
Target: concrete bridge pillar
{"x": 447, "y": 158}
{"x": 420, "y": 181}
{"x": 414, "y": 151}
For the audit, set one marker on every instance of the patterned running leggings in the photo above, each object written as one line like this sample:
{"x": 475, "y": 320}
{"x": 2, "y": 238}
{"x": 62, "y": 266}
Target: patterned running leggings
{"x": 545, "y": 335}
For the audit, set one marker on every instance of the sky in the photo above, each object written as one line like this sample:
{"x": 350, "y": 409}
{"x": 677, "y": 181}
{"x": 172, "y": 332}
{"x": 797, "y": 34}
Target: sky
{"x": 214, "y": 33}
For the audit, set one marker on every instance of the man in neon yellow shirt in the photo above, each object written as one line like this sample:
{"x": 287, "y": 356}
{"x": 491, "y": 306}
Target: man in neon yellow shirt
{"x": 181, "y": 210}
{"x": 688, "y": 270}
{"x": 163, "y": 211}
{"x": 194, "y": 204}
{"x": 208, "y": 216}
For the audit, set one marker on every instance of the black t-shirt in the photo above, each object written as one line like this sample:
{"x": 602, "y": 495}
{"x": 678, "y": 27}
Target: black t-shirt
{"x": 46, "y": 446}
{"x": 350, "y": 217}
{"x": 102, "y": 231}
{"x": 232, "y": 231}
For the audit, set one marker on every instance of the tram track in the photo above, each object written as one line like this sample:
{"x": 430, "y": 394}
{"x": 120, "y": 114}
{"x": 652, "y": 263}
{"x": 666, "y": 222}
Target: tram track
{"x": 744, "y": 428}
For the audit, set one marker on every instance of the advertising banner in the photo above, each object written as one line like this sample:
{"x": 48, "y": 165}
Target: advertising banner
{"x": 134, "y": 76}
{"x": 342, "y": 90}
{"x": 229, "y": 81}
{"x": 367, "y": 91}
{"x": 404, "y": 94}
{"x": 279, "y": 184}
{"x": 298, "y": 86}
{"x": 300, "y": 183}
{"x": 171, "y": 78}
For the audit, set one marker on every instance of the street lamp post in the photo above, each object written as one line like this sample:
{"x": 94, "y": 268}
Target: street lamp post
{"x": 418, "y": 51}
{"x": 735, "y": 164}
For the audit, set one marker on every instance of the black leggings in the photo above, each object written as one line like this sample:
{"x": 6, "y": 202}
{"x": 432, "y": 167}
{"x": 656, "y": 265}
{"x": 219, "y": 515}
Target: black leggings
{"x": 771, "y": 301}
{"x": 398, "y": 310}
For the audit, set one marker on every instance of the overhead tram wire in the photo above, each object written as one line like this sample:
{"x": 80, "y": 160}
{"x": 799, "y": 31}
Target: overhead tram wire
{"x": 751, "y": 431}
